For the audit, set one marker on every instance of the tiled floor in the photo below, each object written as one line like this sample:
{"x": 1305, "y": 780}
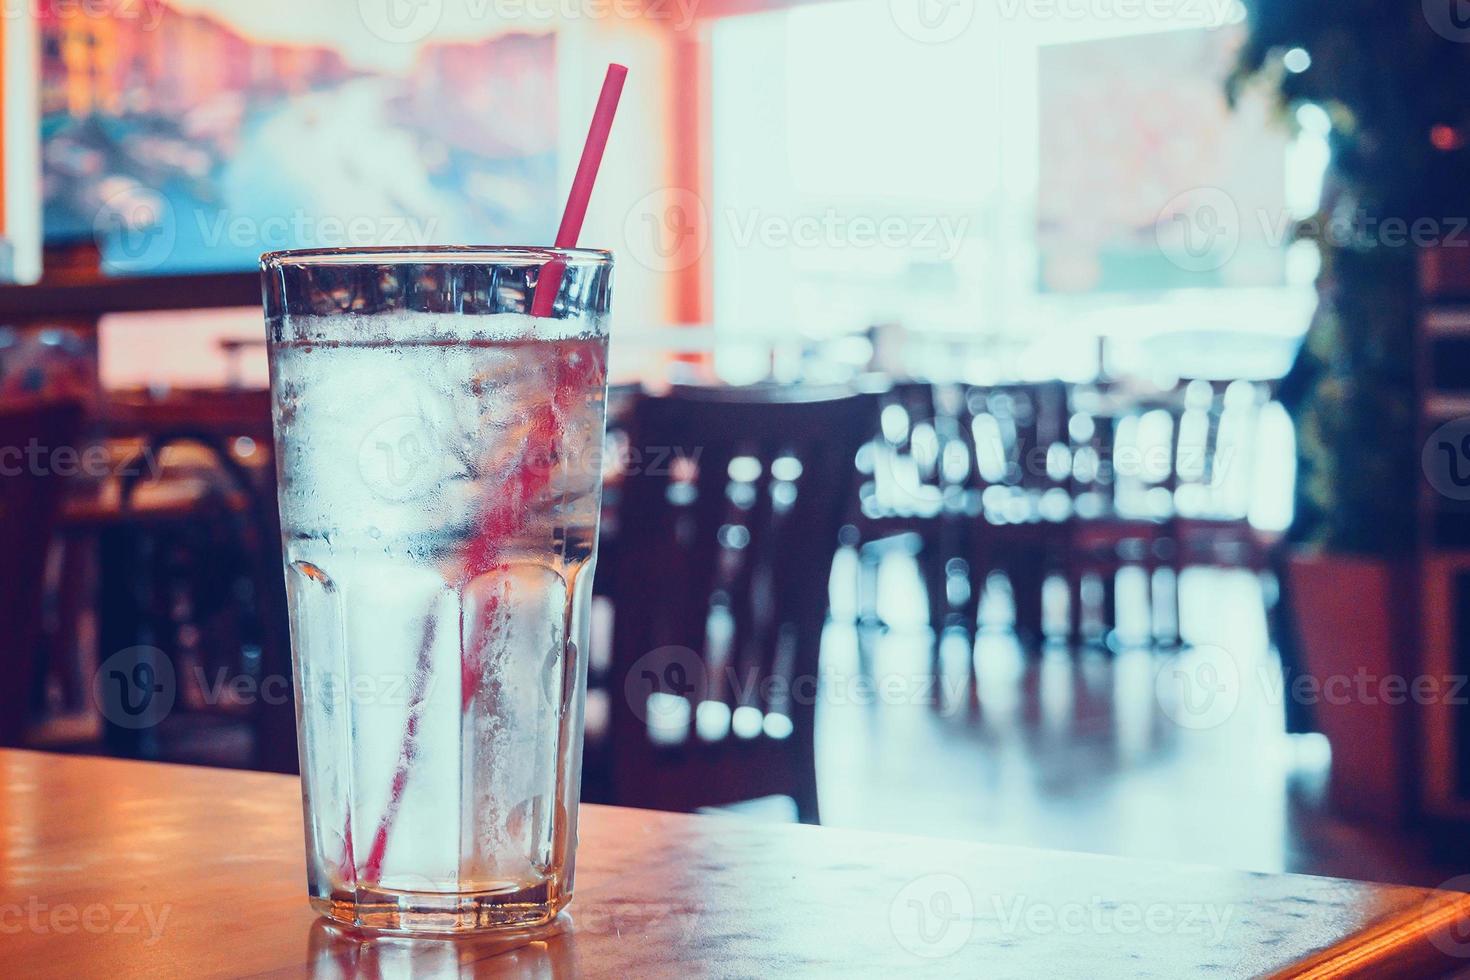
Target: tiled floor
{"x": 1175, "y": 756}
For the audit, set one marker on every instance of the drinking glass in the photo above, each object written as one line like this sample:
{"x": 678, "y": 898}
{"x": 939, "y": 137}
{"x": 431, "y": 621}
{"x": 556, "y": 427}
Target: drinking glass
{"x": 438, "y": 455}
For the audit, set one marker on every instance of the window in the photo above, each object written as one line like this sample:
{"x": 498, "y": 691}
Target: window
{"x": 992, "y": 194}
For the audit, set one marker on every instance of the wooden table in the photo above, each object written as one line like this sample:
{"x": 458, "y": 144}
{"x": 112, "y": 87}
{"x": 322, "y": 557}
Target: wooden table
{"x": 131, "y": 869}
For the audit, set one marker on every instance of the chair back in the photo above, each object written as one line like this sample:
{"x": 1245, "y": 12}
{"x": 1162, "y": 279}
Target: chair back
{"x": 1217, "y": 449}
{"x": 215, "y": 412}
{"x": 901, "y": 462}
{"x": 30, "y": 502}
{"x": 729, "y": 526}
{"x": 1190, "y": 452}
{"x": 220, "y": 420}
{"x": 1016, "y": 432}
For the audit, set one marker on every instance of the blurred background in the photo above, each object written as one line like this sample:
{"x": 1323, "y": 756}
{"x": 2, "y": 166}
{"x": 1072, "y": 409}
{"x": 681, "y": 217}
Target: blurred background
{"x": 1142, "y": 331}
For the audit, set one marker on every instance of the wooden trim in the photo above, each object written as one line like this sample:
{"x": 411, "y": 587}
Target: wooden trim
{"x": 1410, "y": 943}
{"x": 691, "y": 291}
{"x": 93, "y": 297}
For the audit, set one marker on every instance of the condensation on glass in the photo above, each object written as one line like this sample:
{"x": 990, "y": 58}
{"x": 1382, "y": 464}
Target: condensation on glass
{"x": 437, "y": 451}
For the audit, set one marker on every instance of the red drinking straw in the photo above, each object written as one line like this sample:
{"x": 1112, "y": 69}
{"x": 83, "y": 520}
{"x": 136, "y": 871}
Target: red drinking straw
{"x": 499, "y": 522}
{"x": 576, "y": 209}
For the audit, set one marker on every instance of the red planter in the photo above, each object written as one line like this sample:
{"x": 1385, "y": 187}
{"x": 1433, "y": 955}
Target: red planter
{"x": 1358, "y": 631}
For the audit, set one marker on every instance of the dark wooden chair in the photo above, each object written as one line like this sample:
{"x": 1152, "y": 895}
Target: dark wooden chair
{"x": 219, "y": 563}
{"x": 1211, "y": 524}
{"x": 31, "y": 493}
{"x": 618, "y": 458}
{"x": 1124, "y": 503}
{"x": 910, "y": 495}
{"x": 728, "y": 530}
{"x": 1175, "y": 501}
{"x": 1020, "y": 519}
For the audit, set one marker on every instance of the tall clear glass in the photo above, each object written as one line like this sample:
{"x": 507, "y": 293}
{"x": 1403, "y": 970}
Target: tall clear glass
{"x": 438, "y": 454}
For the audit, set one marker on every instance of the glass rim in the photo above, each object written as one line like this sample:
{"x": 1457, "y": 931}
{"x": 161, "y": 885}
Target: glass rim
{"x": 433, "y": 255}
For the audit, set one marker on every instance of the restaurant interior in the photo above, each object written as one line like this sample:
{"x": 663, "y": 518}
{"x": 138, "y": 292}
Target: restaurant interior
{"x": 1029, "y": 425}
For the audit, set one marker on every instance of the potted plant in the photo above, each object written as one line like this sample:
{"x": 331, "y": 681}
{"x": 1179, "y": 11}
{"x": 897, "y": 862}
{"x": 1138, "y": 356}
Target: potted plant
{"x": 1394, "y": 81}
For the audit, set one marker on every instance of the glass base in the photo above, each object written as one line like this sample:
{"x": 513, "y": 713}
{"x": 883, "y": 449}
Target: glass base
{"x": 337, "y": 950}
{"x": 439, "y": 913}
